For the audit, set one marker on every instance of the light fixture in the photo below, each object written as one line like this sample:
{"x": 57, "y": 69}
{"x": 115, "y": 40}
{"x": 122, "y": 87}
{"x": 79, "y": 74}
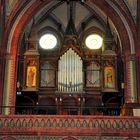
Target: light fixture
{"x": 48, "y": 41}
{"x": 94, "y": 41}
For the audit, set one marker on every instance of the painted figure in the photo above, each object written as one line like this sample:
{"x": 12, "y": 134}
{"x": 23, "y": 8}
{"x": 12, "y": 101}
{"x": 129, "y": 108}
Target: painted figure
{"x": 31, "y": 77}
{"x": 109, "y": 81}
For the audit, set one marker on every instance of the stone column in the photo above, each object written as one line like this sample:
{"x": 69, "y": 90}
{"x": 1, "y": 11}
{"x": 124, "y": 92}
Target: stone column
{"x": 9, "y": 93}
{"x": 132, "y": 79}
{"x": 131, "y": 93}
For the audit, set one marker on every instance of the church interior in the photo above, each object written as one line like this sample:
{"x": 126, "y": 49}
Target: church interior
{"x": 69, "y": 66}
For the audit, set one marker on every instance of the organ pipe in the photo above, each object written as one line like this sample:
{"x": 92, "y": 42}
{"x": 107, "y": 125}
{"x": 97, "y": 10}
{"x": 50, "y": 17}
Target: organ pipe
{"x": 70, "y": 75}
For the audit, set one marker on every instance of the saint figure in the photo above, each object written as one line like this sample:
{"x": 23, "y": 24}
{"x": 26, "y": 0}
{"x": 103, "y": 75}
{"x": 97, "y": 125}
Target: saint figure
{"x": 109, "y": 78}
{"x": 31, "y": 76}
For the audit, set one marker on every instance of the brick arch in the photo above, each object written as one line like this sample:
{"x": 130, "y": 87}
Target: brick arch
{"x": 69, "y": 138}
{"x": 14, "y": 33}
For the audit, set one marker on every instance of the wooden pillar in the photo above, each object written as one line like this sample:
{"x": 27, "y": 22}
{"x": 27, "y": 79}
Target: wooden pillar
{"x": 60, "y": 106}
{"x": 79, "y": 106}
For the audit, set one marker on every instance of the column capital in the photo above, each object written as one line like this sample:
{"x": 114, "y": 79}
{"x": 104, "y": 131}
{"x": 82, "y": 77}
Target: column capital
{"x": 8, "y": 56}
{"x": 132, "y": 57}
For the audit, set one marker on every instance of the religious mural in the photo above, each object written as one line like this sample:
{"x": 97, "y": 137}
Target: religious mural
{"x": 109, "y": 77}
{"x": 31, "y": 76}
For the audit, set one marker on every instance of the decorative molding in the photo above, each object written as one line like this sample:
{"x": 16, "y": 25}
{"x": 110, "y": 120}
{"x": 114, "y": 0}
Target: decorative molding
{"x": 79, "y": 126}
{"x": 44, "y": 137}
{"x": 132, "y": 78}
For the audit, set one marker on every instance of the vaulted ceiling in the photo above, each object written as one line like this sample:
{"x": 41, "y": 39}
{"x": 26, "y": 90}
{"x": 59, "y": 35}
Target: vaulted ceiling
{"x": 57, "y": 13}
{"x": 86, "y": 15}
{"x": 60, "y": 11}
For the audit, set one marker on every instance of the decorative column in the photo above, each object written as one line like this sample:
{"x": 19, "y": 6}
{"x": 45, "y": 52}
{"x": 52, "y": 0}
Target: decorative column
{"x": 79, "y": 105}
{"x": 131, "y": 80}
{"x": 9, "y": 85}
{"x": 131, "y": 96}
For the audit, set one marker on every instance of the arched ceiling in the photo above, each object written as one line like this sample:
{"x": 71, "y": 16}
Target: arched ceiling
{"x": 85, "y": 14}
{"x": 57, "y": 13}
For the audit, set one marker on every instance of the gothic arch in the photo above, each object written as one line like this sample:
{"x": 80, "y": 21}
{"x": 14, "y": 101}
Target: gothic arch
{"x": 69, "y": 138}
{"x": 14, "y": 31}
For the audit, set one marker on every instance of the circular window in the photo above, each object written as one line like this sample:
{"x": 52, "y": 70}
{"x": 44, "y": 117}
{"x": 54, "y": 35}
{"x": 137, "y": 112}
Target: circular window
{"x": 94, "y": 41}
{"x": 48, "y": 41}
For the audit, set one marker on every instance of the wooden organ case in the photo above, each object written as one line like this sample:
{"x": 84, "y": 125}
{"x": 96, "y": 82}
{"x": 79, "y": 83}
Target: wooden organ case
{"x": 70, "y": 79}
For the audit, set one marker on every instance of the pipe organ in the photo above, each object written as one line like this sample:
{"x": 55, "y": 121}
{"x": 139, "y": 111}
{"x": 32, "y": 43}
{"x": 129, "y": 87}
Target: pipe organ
{"x": 70, "y": 73}
{"x": 84, "y": 76}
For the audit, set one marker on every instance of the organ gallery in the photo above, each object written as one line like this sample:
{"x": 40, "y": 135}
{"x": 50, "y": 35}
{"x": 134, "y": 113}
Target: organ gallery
{"x": 70, "y": 73}
{"x": 69, "y": 69}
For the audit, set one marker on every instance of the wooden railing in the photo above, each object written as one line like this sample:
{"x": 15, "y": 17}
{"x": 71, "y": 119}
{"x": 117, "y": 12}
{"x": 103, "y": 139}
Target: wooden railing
{"x": 62, "y": 110}
{"x": 54, "y": 125}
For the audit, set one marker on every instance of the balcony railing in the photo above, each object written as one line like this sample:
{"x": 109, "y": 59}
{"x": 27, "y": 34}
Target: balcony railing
{"x": 28, "y": 121}
{"x": 65, "y": 125}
